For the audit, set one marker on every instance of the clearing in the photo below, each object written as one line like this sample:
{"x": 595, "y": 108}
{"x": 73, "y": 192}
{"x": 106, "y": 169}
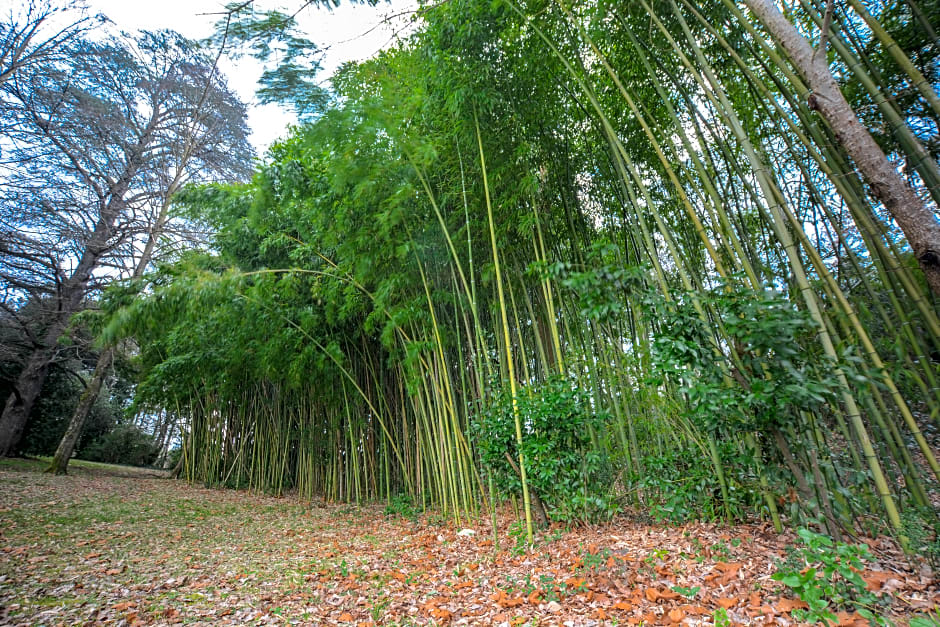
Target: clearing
{"x": 110, "y": 545}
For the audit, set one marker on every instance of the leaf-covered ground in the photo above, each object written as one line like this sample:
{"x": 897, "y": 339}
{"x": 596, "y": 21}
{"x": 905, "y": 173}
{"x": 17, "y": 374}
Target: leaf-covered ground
{"x": 134, "y": 548}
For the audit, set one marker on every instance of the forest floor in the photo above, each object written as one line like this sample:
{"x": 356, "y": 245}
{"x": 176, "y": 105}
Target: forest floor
{"x": 117, "y": 546}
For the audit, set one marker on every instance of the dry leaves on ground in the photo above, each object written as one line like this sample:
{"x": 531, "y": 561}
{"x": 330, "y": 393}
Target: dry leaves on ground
{"x": 98, "y": 549}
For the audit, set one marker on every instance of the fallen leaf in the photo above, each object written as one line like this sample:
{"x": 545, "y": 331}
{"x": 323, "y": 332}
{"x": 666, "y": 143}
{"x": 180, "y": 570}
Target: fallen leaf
{"x": 851, "y": 620}
{"x": 441, "y": 614}
{"x": 875, "y": 579}
{"x": 676, "y": 616}
{"x": 578, "y": 583}
{"x": 669, "y": 595}
{"x": 788, "y": 605}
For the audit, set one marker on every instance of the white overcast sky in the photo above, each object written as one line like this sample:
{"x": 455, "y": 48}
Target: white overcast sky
{"x": 346, "y": 33}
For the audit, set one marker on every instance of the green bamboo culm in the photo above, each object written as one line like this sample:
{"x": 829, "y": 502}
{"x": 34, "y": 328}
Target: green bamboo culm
{"x": 679, "y": 249}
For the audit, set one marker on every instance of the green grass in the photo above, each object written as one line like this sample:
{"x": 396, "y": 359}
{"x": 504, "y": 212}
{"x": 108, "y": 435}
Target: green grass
{"x": 79, "y": 467}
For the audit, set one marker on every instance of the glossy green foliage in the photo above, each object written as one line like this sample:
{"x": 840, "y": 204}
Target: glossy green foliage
{"x": 827, "y": 575}
{"x": 757, "y": 373}
{"x": 678, "y": 487}
{"x": 564, "y": 467}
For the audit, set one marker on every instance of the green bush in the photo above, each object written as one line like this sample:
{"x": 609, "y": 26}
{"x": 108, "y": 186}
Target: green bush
{"x": 126, "y": 444}
{"x": 825, "y": 574}
{"x": 53, "y": 410}
{"x": 402, "y": 505}
{"x": 571, "y": 476}
{"x": 759, "y": 377}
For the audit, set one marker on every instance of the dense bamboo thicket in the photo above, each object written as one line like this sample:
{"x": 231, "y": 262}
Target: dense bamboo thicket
{"x": 596, "y": 255}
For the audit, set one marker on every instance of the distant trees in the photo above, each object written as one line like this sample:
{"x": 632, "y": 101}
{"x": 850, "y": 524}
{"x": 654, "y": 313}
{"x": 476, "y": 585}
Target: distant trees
{"x": 96, "y": 140}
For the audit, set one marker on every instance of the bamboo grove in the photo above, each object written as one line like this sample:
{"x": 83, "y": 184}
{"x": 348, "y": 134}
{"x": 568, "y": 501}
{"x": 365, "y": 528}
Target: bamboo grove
{"x": 615, "y": 229}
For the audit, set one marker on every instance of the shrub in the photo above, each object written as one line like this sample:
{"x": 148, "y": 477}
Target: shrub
{"x": 126, "y": 444}
{"x": 825, "y": 574}
{"x": 568, "y": 473}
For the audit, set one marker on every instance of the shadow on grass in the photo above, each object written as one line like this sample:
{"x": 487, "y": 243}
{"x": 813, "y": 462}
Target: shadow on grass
{"x": 80, "y": 467}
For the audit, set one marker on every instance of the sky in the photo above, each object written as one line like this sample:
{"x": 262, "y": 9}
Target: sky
{"x": 346, "y": 33}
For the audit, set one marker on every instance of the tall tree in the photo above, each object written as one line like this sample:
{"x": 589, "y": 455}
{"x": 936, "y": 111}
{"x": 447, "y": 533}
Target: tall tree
{"x": 913, "y": 216}
{"x": 119, "y": 125}
{"x": 203, "y": 128}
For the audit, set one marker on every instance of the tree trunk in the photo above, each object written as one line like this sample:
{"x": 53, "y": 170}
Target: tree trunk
{"x": 916, "y": 220}
{"x": 60, "y": 463}
{"x": 94, "y": 387}
{"x": 163, "y": 429}
{"x": 29, "y": 383}
{"x": 19, "y": 405}
{"x": 69, "y": 300}
{"x": 20, "y": 402}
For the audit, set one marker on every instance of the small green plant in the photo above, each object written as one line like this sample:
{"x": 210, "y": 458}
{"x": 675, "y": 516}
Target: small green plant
{"x": 655, "y": 556}
{"x": 593, "y": 561}
{"x": 550, "y": 588}
{"x": 720, "y": 617}
{"x": 377, "y": 611}
{"x": 825, "y": 574}
{"x": 698, "y": 549}
{"x": 688, "y": 593}
{"x": 930, "y": 619}
{"x": 402, "y": 505}
{"x": 722, "y": 551}
{"x": 517, "y": 531}
{"x": 653, "y": 559}
{"x": 554, "y": 535}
